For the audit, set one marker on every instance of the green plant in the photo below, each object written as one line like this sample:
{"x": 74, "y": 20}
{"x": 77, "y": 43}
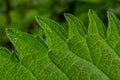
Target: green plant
{"x": 81, "y": 54}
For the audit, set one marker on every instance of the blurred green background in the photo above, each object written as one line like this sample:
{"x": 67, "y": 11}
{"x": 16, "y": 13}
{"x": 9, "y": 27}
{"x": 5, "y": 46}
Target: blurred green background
{"x": 20, "y": 13}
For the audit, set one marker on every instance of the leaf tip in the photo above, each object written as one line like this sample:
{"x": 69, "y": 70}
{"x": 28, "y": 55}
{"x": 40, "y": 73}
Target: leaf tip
{"x": 91, "y": 12}
{"x": 67, "y": 15}
{"x": 8, "y": 30}
{"x": 37, "y": 17}
{"x": 110, "y": 15}
{"x": 11, "y": 30}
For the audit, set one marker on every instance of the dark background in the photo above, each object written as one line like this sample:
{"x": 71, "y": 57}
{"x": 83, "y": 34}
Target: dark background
{"x": 20, "y": 13}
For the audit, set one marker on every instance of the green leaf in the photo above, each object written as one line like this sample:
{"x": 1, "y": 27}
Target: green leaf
{"x": 97, "y": 50}
{"x": 75, "y": 26}
{"x": 12, "y": 70}
{"x": 4, "y": 56}
{"x": 33, "y": 57}
{"x": 78, "y": 45}
{"x": 80, "y": 57}
{"x": 113, "y": 30}
{"x": 26, "y": 44}
{"x": 103, "y": 56}
{"x": 75, "y": 67}
{"x": 55, "y": 34}
{"x": 95, "y": 24}
{"x": 117, "y": 48}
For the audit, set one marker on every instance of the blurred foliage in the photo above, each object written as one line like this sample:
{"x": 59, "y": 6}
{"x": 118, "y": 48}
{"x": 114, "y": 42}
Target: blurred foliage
{"x": 20, "y": 13}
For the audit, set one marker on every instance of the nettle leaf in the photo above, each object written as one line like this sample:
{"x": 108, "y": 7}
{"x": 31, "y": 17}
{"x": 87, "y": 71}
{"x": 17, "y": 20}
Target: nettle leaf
{"x": 84, "y": 55}
{"x": 78, "y": 45}
{"x": 113, "y": 32}
{"x": 26, "y": 44}
{"x": 13, "y": 70}
{"x": 95, "y": 49}
{"x": 104, "y": 57}
{"x": 75, "y": 26}
{"x": 55, "y": 34}
{"x": 75, "y": 67}
{"x": 33, "y": 57}
{"x": 95, "y": 24}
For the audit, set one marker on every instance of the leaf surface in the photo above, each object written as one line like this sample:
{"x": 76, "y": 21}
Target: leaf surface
{"x": 33, "y": 57}
{"x": 95, "y": 24}
{"x": 113, "y": 32}
{"x": 81, "y": 56}
{"x": 75, "y": 67}
{"x": 75, "y": 26}
{"x": 102, "y": 54}
{"x": 104, "y": 57}
{"x": 78, "y": 45}
{"x": 55, "y": 34}
{"x": 12, "y": 70}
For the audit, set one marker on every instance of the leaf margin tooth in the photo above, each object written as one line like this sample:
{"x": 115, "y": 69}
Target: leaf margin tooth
{"x": 95, "y": 25}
